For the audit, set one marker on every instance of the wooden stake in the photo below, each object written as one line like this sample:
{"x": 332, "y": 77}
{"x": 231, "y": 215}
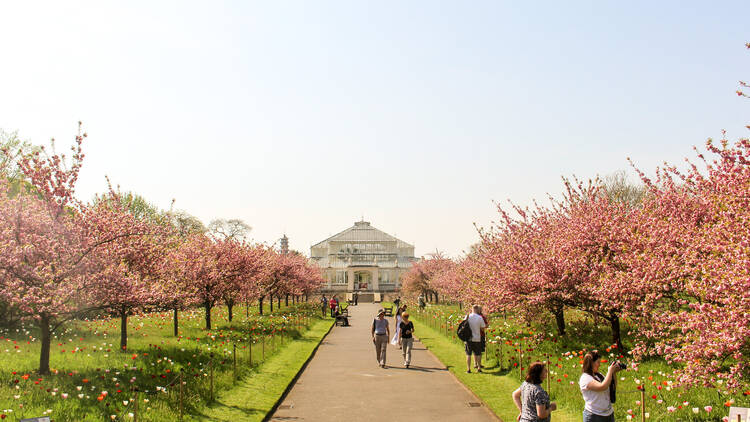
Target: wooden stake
{"x": 643, "y": 405}
{"x": 181, "y": 394}
{"x": 520, "y": 359}
{"x": 234, "y": 355}
{"x": 211, "y": 376}
{"x": 135, "y": 407}
{"x": 549, "y": 374}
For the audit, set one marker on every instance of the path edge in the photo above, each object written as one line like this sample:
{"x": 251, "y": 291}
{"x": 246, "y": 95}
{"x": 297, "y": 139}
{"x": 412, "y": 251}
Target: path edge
{"x": 458, "y": 381}
{"x": 293, "y": 381}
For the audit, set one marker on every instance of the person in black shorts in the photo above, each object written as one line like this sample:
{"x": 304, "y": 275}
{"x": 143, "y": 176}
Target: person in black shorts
{"x": 474, "y": 345}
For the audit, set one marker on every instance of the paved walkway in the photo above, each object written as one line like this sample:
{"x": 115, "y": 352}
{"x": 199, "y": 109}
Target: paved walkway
{"x": 343, "y": 382}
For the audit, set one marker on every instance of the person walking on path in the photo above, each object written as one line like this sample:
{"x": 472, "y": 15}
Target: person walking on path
{"x": 380, "y": 333}
{"x": 532, "y": 401}
{"x": 324, "y": 305}
{"x": 397, "y": 302}
{"x": 356, "y": 298}
{"x": 474, "y": 345}
{"x": 406, "y": 329}
{"x": 595, "y": 389}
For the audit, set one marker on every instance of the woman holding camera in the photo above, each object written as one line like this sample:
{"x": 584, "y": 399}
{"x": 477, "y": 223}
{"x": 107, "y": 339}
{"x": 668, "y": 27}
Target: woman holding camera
{"x": 595, "y": 389}
{"x": 531, "y": 399}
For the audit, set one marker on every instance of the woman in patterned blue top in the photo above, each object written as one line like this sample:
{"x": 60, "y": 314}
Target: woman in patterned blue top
{"x": 531, "y": 399}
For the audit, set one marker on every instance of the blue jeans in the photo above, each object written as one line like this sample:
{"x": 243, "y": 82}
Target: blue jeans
{"x": 590, "y": 417}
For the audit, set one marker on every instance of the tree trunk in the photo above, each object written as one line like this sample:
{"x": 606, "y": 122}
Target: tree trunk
{"x": 247, "y": 309}
{"x": 175, "y": 322}
{"x": 278, "y": 298}
{"x": 437, "y": 298}
{"x": 616, "y": 338}
{"x": 207, "y": 305}
{"x": 230, "y": 305}
{"x": 270, "y": 302}
{"x": 260, "y": 306}
{"x": 46, "y": 339}
{"x": 286, "y": 300}
{"x": 123, "y": 330}
{"x": 559, "y": 314}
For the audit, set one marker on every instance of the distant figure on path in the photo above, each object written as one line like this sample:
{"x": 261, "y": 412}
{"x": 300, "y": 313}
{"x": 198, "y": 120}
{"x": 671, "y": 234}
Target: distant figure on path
{"x": 380, "y": 334}
{"x": 421, "y": 301}
{"x": 356, "y": 298}
{"x": 406, "y": 329}
{"x": 324, "y": 303}
{"x": 474, "y": 345}
{"x": 332, "y": 304}
{"x": 530, "y": 398}
{"x": 396, "y": 340}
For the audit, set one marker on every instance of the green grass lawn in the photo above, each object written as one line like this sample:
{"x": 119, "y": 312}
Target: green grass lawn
{"x": 256, "y": 395}
{"x": 92, "y": 380}
{"x": 664, "y": 400}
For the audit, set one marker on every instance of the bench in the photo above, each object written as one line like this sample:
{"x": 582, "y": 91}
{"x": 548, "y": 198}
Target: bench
{"x": 388, "y": 311}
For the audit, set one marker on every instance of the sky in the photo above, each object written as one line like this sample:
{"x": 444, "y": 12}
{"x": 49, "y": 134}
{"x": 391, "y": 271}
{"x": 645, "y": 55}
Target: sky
{"x": 302, "y": 117}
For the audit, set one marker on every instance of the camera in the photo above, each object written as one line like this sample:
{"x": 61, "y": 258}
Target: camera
{"x": 621, "y": 365}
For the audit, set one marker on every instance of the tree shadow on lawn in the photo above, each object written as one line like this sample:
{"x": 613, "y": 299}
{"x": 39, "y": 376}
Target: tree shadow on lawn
{"x": 231, "y": 412}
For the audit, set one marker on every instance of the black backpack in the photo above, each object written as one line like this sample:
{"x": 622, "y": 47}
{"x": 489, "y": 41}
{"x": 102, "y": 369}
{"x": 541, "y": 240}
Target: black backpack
{"x": 464, "y": 330}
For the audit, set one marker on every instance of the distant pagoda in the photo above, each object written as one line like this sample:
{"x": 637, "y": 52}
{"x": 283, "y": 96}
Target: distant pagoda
{"x": 284, "y": 244}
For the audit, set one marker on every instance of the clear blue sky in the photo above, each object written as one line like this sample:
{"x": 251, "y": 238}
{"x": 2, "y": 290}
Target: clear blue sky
{"x": 300, "y": 117}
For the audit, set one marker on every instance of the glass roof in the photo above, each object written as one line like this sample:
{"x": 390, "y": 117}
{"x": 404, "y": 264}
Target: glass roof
{"x": 362, "y": 231}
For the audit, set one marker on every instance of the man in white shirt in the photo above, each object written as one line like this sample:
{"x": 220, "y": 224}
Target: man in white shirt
{"x": 474, "y": 345}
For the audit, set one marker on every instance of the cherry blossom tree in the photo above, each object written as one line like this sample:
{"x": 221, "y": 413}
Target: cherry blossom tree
{"x": 129, "y": 268}
{"x": 696, "y": 262}
{"x": 286, "y": 274}
{"x": 422, "y": 274}
{"x": 240, "y": 266}
{"x": 49, "y": 243}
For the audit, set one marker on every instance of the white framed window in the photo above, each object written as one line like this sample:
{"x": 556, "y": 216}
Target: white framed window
{"x": 341, "y": 277}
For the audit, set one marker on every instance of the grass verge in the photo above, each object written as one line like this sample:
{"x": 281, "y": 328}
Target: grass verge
{"x": 257, "y": 394}
{"x": 493, "y": 386}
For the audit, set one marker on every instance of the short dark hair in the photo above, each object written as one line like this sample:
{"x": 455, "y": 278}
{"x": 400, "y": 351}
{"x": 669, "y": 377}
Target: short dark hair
{"x": 588, "y": 362}
{"x": 534, "y": 375}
